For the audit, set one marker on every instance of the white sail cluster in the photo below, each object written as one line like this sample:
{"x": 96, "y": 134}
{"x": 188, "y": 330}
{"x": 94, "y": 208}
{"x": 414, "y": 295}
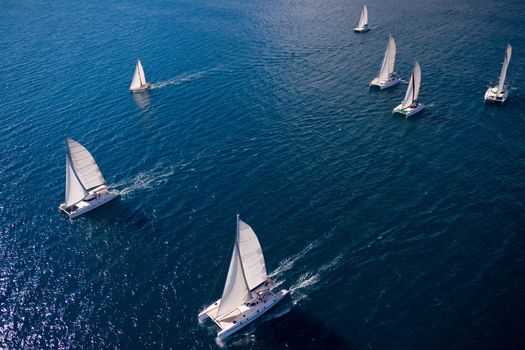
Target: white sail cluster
{"x": 82, "y": 173}
{"x": 247, "y": 270}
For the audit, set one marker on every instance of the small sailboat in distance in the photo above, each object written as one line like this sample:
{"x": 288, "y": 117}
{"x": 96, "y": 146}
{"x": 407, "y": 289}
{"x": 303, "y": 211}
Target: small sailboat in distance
{"x": 387, "y": 77}
{"x": 410, "y": 104}
{"x": 139, "y": 83}
{"x": 247, "y": 292}
{"x": 500, "y": 92}
{"x": 362, "y": 27}
{"x": 86, "y": 188}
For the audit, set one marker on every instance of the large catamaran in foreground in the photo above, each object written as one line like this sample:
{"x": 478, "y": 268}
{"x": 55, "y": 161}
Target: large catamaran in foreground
{"x": 500, "y": 92}
{"x": 86, "y": 188}
{"x": 410, "y": 104}
{"x": 248, "y": 291}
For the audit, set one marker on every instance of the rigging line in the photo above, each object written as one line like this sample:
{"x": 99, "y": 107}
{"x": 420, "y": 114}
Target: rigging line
{"x": 220, "y": 273}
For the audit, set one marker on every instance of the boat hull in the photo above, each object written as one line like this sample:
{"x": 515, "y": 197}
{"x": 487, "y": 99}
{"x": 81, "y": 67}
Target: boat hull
{"x": 141, "y": 88}
{"x": 361, "y": 29}
{"x": 409, "y": 111}
{"x": 492, "y": 96}
{"x": 86, "y": 206}
{"x": 243, "y": 315}
{"x": 382, "y": 84}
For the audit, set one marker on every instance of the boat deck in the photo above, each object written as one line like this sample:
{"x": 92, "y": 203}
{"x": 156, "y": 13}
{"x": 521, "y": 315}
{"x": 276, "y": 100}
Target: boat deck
{"x": 244, "y": 314}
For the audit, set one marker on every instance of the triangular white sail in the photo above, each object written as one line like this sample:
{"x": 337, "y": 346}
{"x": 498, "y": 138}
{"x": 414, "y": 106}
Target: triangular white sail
{"x": 139, "y": 78}
{"x": 251, "y": 256}
{"x": 503, "y": 74}
{"x": 363, "y": 20}
{"x": 84, "y": 166}
{"x": 236, "y": 290}
{"x": 413, "y": 87}
{"x": 387, "y": 68}
{"x": 74, "y": 190}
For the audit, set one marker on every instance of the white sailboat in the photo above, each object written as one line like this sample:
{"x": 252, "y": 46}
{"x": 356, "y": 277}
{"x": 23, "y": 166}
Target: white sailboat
{"x": 410, "y": 105}
{"x": 387, "y": 77}
{"x": 247, "y": 292}
{"x": 86, "y": 188}
{"x": 500, "y": 92}
{"x": 362, "y": 27}
{"x": 139, "y": 83}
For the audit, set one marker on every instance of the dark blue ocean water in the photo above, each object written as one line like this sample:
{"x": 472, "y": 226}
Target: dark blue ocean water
{"x": 389, "y": 233}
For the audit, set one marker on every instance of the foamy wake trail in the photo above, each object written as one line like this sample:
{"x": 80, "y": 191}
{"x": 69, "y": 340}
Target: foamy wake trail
{"x": 309, "y": 279}
{"x": 183, "y": 78}
{"x": 145, "y": 181}
{"x": 288, "y": 263}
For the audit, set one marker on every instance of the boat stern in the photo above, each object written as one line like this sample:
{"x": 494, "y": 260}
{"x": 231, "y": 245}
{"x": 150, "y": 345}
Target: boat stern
{"x": 210, "y": 311}
{"x": 361, "y": 29}
{"x": 382, "y": 84}
{"x": 409, "y": 111}
{"x": 492, "y": 96}
{"x": 141, "y": 88}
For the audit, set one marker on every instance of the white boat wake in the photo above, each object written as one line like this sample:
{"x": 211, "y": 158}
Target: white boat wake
{"x": 183, "y": 78}
{"x": 288, "y": 263}
{"x": 309, "y": 279}
{"x": 145, "y": 181}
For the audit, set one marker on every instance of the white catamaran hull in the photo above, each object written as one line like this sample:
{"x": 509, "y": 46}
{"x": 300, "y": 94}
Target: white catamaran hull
{"x": 382, "y": 84}
{"x": 141, "y": 88}
{"x": 85, "y": 206}
{"x": 491, "y": 95}
{"x": 361, "y": 29}
{"x": 242, "y": 315}
{"x": 408, "y": 111}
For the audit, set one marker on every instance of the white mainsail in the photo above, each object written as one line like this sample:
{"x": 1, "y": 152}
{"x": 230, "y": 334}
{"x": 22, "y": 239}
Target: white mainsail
{"x": 413, "y": 87}
{"x": 84, "y": 166}
{"x": 503, "y": 74}
{"x": 363, "y": 20}
{"x": 74, "y": 190}
{"x": 236, "y": 290}
{"x": 252, "y": 257}
{"x": 387, "y": 68}
{"x": 139, "y": 78}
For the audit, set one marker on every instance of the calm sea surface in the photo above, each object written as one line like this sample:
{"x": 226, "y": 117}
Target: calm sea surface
{"x": 389, "y": 233}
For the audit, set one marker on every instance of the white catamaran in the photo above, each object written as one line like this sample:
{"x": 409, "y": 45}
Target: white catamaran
{"x": 362, "y": 27}
{"x": 139, "y": 82}
{"x": 410, "y": 105}
{"x": 387, "y": 77}
{"x": 500, "y": 92}
{"x": 248, "y": 289}
{"x": 86, "y": 188}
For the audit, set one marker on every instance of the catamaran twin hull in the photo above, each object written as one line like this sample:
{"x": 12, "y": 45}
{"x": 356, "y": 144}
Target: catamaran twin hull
{"x": 262, "y": 301}
{"x": 409, "y": 111}
{"x": 141, "y": 88}
{"x": 384, "y": 84}
{"x": 361, "y": 30}
{"x": 87, "y": 205}
{"x": 491, "y": 95}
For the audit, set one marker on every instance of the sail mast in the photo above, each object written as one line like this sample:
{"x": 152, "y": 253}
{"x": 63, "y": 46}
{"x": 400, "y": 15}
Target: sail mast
{"x": 236, "y": 290}
{"x": 140, "y": 76}
{"x": 387, "y": 67}
{"x": 75, "y": 190}
{"x": 237, "y": 244}
{"x": 503, "y": 74}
